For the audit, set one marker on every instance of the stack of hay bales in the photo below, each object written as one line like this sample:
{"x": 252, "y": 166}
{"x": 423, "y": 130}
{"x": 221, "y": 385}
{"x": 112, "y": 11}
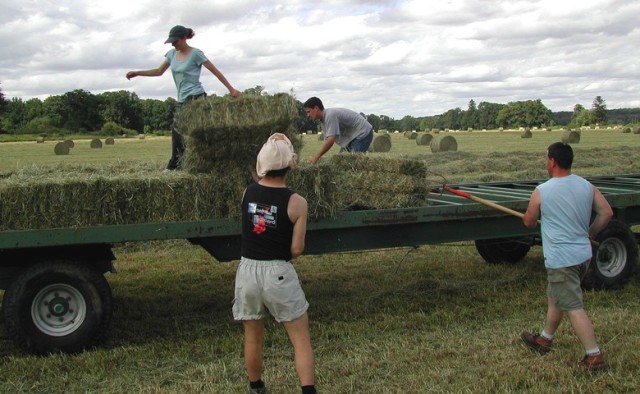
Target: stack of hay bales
{"x": 222, "y": 132}
{"x": 223, "y": 136}
{"x": 365, "y": 182}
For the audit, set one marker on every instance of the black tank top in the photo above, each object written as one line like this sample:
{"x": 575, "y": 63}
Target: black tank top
{"x": 266, "y": 227}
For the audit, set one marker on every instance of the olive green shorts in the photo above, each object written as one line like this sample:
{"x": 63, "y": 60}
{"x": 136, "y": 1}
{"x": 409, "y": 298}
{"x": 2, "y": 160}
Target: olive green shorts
{"x": 564, "y": 286}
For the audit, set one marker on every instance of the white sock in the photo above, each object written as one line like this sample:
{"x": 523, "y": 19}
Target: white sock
{"x": 593, "y": 352}
{"x": 545, "y": 335}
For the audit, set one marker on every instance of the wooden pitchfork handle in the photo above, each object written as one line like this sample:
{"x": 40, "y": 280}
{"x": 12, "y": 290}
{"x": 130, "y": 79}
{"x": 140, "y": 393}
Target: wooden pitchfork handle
{"x": 484, "y": 202}
{"x": 495, "y": 206}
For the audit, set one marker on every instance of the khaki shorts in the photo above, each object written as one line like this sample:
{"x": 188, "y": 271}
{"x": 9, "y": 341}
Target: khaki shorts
{"x": 564, "y": 286}
{"x": 268, "y": 287}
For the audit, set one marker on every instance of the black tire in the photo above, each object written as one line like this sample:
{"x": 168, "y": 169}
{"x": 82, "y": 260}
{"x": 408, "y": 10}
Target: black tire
{"x": 503, "y": 250}
{"x": 57, "y": 307}
{"x": 614, "y": 259}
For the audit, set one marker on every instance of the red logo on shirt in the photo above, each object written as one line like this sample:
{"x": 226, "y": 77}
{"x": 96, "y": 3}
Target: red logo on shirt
{"x": 260, "y": 226}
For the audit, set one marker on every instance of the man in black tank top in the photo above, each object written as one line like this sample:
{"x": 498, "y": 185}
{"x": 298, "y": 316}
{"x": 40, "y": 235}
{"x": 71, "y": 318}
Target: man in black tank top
{"x": 274, "y": 223}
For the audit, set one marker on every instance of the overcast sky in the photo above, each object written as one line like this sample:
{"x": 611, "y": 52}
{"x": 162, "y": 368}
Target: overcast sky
{"x": 395, "y": 58}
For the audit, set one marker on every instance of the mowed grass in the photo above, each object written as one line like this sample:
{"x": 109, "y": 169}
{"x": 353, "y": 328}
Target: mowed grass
{"x": 432, "y": 319}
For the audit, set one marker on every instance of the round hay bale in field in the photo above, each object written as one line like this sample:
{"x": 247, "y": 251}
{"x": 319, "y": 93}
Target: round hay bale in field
{"x": 40, "y": 140}
{"x": 320, "y": 137}
{"x": 407, "y": 134}
{"x": 141, "y": 136}
{"x": 413, "y": 136}
{"x": 626, "y": 130}
{"x": 526, "y": 133}
{"x": 636, "y": 130}
{"x": 424, "y": 139}
{"x": 61, "y": 148}
{"x": 381, "y": 143}
{"x": 443, "y": 143}
{"x": 96, "y": 143}
{"x": 70, "y": 143}
{"x": 570, "y": 137}
{"x": 109, "y": 141}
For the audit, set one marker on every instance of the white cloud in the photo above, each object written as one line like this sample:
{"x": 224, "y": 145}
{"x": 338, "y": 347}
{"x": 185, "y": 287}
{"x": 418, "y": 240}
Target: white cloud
{"x": 393, "y": 57}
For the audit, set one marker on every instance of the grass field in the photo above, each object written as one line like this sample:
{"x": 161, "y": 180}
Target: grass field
{"x": 432, "y": 319}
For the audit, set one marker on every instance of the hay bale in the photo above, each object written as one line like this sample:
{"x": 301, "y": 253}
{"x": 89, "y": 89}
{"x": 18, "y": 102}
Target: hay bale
{"x": 320, "y": 137}
{"x": 381, "y": 143}
{"x": 96, "y": 143}
{"x": 223, "y": 131}
{"x": 40, "y": 140}
{"x": 141, "y": 136}
{"x": 424, "y": 139}
{"x": 526, "y": 133}
{"x": 69, "y": 143}
{"x": 636, "y": 130}
{"x": 109, "y": 141}
{"x": 443, "y": 143}
{"x": 570, "y": 137}
{"x": 61, "y": 148}
{"x": 626, "y": 130}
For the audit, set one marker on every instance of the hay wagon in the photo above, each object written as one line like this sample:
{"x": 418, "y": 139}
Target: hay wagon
{"x": 56, "y": 297}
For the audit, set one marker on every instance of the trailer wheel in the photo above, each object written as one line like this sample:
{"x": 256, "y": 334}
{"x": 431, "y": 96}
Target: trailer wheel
{"x": 614, "y": 260}
{"x": 503, "y": 250}
{"x": 57, "y": 307}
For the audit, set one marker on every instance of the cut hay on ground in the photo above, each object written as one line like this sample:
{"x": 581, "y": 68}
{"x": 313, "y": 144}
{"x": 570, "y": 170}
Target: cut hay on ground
{"x": 570, "y": 137}
{"x": 223, "y": 132}
{"x": 443, "y": 143}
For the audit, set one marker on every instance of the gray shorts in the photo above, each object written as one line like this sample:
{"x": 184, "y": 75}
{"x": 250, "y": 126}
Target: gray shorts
{"x": 268, "y": 287}
{"x": 564, "y": 286}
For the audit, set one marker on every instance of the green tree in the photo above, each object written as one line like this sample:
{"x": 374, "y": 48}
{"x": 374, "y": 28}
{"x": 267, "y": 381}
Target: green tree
{"x": 487, "y": 115}
{"x": 123, "y": 108}
{"x": 78, "y": 110}
{"x": 599, "y": 110}
{"x": 158, "y": 115}
{"x": 531, "y": 113}
{"x": 470, "y": 116}
{"x": 408, "y": 123}
{"x": 3, "y": 102}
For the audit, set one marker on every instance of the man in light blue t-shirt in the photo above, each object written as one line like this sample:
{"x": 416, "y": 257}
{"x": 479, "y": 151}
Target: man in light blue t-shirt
{"x": 344, "y": 127}
{"x": 564, "y": 205}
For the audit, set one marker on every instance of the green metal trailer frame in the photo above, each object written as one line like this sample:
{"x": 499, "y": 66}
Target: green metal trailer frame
{"x": 28, "y": 257}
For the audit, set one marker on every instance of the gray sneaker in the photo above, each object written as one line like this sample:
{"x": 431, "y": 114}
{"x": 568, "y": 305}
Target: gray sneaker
{"x": 258, "y": 391}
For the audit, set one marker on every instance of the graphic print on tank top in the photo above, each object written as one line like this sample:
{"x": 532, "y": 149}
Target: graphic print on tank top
{"x": 263, "y": 216}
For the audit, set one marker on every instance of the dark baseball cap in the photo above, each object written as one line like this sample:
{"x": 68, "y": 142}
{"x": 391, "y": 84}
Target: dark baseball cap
{"x": 176, "y": 33}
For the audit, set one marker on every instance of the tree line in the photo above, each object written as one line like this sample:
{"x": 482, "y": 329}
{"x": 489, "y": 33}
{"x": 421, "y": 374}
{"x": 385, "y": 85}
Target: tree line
{"x": 113, "y": 113}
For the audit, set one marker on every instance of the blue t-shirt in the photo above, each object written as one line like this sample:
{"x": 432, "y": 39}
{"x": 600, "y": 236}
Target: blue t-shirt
{"x": 186, "y": 73}
{"x": 566, "y": 204}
